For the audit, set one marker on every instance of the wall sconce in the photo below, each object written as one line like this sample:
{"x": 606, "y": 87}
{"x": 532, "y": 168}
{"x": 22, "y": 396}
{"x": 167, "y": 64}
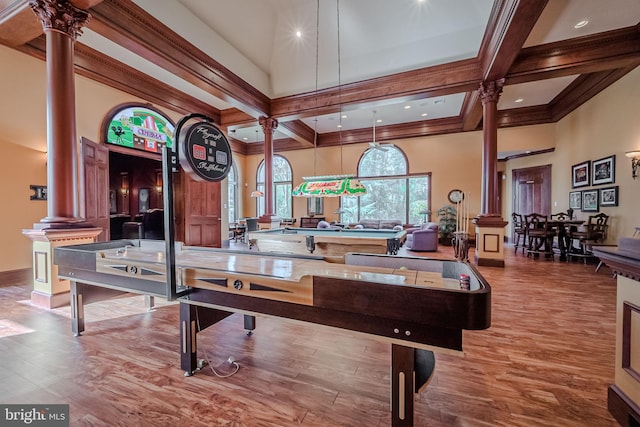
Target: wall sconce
{"x": 124, "y": 183}
{"x": 159, "y": 181}
{"x": 635, "y": 159}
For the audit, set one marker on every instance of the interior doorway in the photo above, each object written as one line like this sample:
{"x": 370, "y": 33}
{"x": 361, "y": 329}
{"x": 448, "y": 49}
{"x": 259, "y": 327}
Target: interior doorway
{"x": 532, "y": 190}
{"x": 135, "y": 187}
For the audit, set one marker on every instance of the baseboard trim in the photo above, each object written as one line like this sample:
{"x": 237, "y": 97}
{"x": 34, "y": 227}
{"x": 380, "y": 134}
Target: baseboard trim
{"x": 23, "y": 276}
{"x": 623, "y": 409}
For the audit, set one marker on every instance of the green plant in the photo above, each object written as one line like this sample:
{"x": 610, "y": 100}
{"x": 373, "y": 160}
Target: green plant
{"x": 446, "y": 223}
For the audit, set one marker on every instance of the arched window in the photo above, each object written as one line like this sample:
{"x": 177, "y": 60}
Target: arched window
{"x": 232, "y": 191}
{"x": 391, "y": 192}
{"x": 282, "y": 186}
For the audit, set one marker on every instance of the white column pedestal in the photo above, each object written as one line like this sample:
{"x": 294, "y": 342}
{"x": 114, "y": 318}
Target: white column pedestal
{"x": 489, "y": 241}
{"x": 49, "y": 291}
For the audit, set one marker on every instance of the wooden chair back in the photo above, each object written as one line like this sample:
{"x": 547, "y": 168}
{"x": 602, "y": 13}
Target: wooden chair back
{"x": 560, "y": 216}
{"x": 517, "y": 222}
{"x": 597, "y": 226}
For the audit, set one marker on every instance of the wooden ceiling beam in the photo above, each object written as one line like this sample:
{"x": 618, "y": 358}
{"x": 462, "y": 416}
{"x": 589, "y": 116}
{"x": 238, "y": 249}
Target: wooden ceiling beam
{"x": 535, "y": 115}
{"x": 581, "y": 55}
{"x": 298, "y": 131}
{"x": 439, "y": 80}
{"x": 582, "y": 89}
{"x": 130, "y": 26}
{"x": 509, "y": 26}
{"x": 18, "y": 23}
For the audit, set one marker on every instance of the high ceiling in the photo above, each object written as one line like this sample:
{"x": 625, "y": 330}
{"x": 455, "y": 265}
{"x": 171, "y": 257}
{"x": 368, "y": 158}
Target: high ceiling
{"x": 413, "y": 65}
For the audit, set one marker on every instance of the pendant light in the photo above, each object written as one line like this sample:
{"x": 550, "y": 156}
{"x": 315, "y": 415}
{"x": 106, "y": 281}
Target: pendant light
{"x": 328, "y": 185}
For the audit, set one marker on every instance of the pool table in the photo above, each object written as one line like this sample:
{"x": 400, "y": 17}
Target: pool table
{"x": 329, "y": 243}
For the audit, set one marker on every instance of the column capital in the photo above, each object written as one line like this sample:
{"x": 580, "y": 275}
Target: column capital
{"x": 490, "y": 91}
{"x": 268, "y": 124}
{"x": 60, "y": 16}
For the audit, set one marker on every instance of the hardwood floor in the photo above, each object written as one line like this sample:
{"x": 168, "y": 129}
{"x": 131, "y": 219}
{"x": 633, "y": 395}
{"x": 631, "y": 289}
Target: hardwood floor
{"x": 546, "y": 361}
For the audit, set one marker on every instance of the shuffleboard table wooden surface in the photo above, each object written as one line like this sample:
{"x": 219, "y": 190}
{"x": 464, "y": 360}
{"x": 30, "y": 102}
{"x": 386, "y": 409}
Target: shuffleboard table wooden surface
{"x": 415, "y": 304}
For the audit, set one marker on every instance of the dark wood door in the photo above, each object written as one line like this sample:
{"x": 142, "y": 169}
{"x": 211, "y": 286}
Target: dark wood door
{"x": 95, "y": 191}
{"x": 532, "y": 190}
{"x": 202, "y": 220}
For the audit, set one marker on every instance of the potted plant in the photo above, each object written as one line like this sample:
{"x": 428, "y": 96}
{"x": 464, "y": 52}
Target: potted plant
{"x": 446, "y": 224}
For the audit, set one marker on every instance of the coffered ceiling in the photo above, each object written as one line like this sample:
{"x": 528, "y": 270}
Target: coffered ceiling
{"x": 323, "y": 68}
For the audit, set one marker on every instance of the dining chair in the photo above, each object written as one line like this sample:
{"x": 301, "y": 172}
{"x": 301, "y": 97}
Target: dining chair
{"x": 519, "y": 231}
{"x": 593, "y": 232}
{"x": 539, "y": 234}
{"x": 562, "y": 230}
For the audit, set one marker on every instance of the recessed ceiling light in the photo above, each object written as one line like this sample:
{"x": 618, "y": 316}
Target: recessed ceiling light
{"x": 245, "y": 138}
{"x": 379, "y": 121}
{"x": 344, "y": 116}
{"x": 406, "y": 107}
{"x": 339, "y": 126}
{"x": 424, "y": 114}
{"x": 298, "y": 33}
{"x": 581, "y": 24}
{"x": 519, "y": 100}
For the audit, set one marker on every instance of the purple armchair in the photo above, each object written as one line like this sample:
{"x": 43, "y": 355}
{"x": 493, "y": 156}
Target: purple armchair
{"x": 424, "y": 239}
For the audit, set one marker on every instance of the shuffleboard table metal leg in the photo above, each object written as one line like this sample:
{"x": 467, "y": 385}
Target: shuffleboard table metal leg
{"x": 77, "y": 309}
{"x": 149, "y": 302}
{"x": 249, "y": 323}
{"x": 188, "y": 339}
{"x": 402, "y": 388}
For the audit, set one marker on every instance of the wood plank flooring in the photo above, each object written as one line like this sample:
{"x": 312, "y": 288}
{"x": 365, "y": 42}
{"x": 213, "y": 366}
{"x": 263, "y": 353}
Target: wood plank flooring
{"x": 546, "y": 361}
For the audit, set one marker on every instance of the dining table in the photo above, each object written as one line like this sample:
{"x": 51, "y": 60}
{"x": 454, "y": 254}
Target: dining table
{"x": 562, "y": 230}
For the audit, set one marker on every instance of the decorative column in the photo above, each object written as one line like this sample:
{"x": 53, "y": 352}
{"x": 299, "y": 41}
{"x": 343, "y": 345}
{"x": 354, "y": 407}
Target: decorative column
{"x": 269, "y": 126}
{"x": 489, "y": 223}
{"x": 62, "y": 226}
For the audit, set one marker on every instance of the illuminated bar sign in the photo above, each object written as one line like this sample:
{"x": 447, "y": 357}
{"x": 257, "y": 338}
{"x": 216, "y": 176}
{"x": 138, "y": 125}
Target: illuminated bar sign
{"x": 204, "y": 152}
{"x": 140, "y": 128}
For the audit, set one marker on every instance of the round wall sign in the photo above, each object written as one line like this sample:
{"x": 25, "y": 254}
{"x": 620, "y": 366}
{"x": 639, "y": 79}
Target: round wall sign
{"x": 204, "y": 152}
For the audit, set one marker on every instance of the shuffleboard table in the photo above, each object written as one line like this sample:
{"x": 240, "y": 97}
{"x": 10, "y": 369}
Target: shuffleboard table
{"x": 329, "y": 243}
{"x": 415, "y": 304}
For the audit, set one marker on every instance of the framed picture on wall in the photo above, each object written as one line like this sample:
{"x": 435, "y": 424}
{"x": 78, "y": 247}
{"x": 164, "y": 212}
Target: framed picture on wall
{"x": 609, "y": 196}
{"x": 580, "y": 175}
{"x": 603, "y": 171}
{"x": 575, "y": 200}
{"x": 590, "y": 201}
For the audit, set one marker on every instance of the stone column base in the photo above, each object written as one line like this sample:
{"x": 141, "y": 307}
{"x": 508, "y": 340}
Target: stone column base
{"x": 489, "y": 241}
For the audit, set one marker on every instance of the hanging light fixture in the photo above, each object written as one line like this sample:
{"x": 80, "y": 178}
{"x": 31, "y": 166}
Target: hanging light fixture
{"x": 328, "y": 185}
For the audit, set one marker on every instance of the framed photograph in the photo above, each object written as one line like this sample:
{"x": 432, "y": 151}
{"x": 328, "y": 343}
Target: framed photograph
{"x": 580, "y": 175}
{"x": 575, "y": 200}
{"x": 314, "y": 206}
{"x": 590, "y": 201}
{"x": 604, "y": 171}
{"x": 143, "y": 200}
{"x": 609, "y": 196}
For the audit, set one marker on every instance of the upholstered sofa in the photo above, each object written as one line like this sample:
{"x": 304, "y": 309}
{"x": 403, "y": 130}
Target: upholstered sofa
{"x": 423, "y": 238}
{"x": 379, "y": 224}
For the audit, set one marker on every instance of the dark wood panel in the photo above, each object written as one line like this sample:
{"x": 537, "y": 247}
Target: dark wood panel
{"x": 95, "y": 166}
